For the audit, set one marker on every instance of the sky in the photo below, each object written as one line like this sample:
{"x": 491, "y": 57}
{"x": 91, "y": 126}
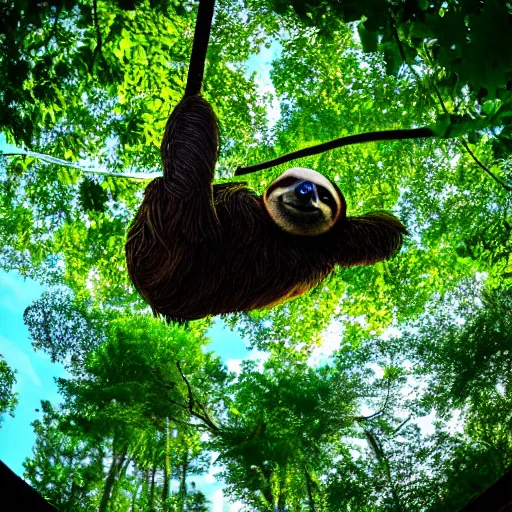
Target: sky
{"x": 35, "y": 376}
{"x": 35, "y": 371}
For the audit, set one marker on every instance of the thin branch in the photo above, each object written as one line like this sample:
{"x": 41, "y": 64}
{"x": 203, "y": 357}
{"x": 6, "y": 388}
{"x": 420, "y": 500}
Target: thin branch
{"x": 381, "y": 410}
{"x": 192, "y": 401}
{"x": 397, "y": 429}
{"x": 437, "y": 92}
{"x": 184, "y": 422}
{"x": 485, "y": 168}
{"x": 401, "y": 46}
{"x": 53, "y": 30}
{"x": 359, "y": 138}
{"x": 401, "y": 50}
{"x": 189, "y": 389}
{"x": 99, "y": 42}
{"x": 185, "y": 406}
{"x": 202, "y": 407}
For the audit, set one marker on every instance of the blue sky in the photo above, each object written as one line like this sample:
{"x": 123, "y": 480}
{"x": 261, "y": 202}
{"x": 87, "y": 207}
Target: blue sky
{"x": 35, "y": 371}
{"x": 35, "y": 375}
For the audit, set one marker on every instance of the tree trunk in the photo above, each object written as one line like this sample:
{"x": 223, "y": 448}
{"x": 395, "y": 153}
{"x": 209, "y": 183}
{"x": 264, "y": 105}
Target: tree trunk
{"x": 152, "y": 489}
{"x": 122, "y": 465}
{"x": 309, "y": 488}
{"x": 281, "y": 502}
{"x": 381, "y": 456}
{"x": 167, "y": 462}
{"x": 183, "y": 481}
{"x": 111, "y": 478}
{"x": 137, "y": 491}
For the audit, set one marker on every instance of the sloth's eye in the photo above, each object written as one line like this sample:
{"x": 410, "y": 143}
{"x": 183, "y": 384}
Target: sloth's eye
{"x": 305, "y": 190}
{"x": 325, "y": 196}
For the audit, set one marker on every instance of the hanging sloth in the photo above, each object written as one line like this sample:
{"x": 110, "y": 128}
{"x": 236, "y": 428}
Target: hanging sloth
{"x": 195, "y": 249}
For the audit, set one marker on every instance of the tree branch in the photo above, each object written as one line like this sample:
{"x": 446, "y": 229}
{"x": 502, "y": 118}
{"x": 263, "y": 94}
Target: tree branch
{"x": 143, "y": 175}
{"x": 192, "y": 401}
{"x": 437, "y": 92}
{"x": 359, "y": 138}
{"x": 54, "y": 26}
{"x": 508, "y": 188}
{"x": 381, "y": 410}
{"x": 99, "y": 41}
{"x": 397, "y": 429}
{"x": 199, "y": 47}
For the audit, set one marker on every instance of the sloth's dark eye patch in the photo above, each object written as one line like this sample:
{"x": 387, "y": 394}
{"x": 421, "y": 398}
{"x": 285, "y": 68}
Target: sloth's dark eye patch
{"x": 285, "y": 182}
{"x": 325, "y": 196}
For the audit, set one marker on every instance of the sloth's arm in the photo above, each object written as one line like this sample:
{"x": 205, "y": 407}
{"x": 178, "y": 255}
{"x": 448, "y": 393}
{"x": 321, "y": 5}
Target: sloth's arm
{"x": 366, "y": 239}
{"x": 190, "y": 148}
{"x": 189, "y": 153}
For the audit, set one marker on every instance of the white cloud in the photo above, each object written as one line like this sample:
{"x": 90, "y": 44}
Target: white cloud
{"x": 234, "y": 365}
{"x": 16, "y": 292}
{"x": 426, "y": 423}
{"x": 221, "y": 505}
{"x": 209, "y": 479}
{"x": 18, "y": 360}
{"x": 217, "y": 499}
{"x": 331, "y": 341}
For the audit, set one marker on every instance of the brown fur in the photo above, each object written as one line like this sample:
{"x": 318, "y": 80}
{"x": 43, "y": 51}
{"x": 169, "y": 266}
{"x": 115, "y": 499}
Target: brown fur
{"x": 195, "y": 250}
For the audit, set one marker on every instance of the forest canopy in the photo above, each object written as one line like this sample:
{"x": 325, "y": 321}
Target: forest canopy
{"x": 331, "y": 413}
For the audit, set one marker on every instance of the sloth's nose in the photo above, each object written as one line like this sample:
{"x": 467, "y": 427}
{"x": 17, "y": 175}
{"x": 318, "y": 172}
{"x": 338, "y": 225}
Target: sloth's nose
{"x": 305, "y": 191}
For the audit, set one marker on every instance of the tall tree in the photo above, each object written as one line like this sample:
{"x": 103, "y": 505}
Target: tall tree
{"x": 8, "y": 397}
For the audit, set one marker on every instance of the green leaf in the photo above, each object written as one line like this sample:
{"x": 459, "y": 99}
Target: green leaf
{"x": 92, "y": 196}
{"x": 369, "y": 39}
{"x": 449, "y": 126}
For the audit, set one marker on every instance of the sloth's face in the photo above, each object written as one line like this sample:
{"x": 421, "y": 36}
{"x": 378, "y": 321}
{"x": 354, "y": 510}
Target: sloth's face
{"x": 304, "y": 202}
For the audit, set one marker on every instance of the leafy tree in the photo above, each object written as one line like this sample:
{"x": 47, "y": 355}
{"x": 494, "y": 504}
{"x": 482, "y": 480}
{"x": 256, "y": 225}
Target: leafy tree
{"x": 8, "y": 398}
{"x": 66, "y": 469}
{"x": 67, "y": 329}
{"x": 449, "y": 39}
{"x": 95, "y": 80}
{"x": 130, "y": 397}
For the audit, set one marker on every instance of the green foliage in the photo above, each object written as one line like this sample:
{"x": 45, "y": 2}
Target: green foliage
{"x": 469, "y": 363}
{"x": 92, "y": 196}
{"x": 126, "y": 403}
{"x": 60, "y": 326}
{"x": 450, "y": 48}
{"x": 281, "y": 420}
{"x": 424, "y": 334}
{"x": 8, "y": 398}
{"x": 63, "y": 468}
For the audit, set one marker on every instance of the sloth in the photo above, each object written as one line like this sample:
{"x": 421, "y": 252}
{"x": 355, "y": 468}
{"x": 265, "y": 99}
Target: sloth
{"x": 196, "y": 249}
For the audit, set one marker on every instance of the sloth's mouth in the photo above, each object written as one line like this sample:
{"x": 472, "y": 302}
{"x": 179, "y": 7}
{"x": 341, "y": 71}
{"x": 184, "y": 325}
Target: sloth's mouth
{"x": 301, "y": 207}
